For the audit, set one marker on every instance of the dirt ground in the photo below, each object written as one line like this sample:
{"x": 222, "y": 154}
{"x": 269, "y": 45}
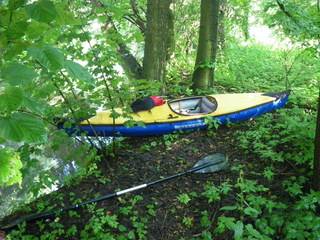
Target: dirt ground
{"x": 143, "y": 160}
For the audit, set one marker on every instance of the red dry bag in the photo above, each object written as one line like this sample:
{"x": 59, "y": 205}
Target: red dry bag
{"x": 157, "y": 100}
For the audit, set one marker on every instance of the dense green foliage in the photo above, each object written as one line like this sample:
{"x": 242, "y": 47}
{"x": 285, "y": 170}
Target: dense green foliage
{"x": 61, "y": 58}
{"x": 253, "y": 68}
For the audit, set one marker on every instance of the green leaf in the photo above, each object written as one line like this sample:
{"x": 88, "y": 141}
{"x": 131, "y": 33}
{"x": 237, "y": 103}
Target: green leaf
{"x": 18, "y": 74}
{"x": 10, "y": 167}
{"x": 253, "y": 232}
{"x": 205, "y": 221}
{"x": 228, "y": 208}
{"x": 49, "y": 57}
{"x": 10, "y": 129}
{"x": 3, "y": 40}
{"x": 225, "y": 223}
{"x": 206, "y": 235}
{"x": 212, "y": 193}
{"x": 33, "y": 128}
{"x": 33, "y": 105}
{"x": 36, "y": 29}
{"x": 22, "y": 127}
{"x": 15, "y": 48}
{"x": 17, "y": 30}
{"x": 184, "y": 198}
{"x": 11, "y": 99}
{"x": 66, "y": 17}
{"x": 111, "y": 220}
{"x": 238, "y": 230}
{"x": 42, "y": 11}
{"x": 251, "y": 212}
{"x": 75, "y": 70}
{"x": 14, "y": 4}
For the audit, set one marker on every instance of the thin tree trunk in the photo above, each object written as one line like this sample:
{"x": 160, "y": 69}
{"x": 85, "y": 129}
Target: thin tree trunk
{"x": 203, "y": 75}
{"x": 221, "y": 24}
{"x": 316, "y": 163}
{"x": 129, "y": 62}
{"x": 158, "y": 39}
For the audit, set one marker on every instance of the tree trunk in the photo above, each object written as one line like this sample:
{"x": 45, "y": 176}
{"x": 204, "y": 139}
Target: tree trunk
{"x": 203, "y": 75}
{"x": 221, "y": 24}
{"x": 316, "y": 162}
{"x": 158, "y": 39}
{"x": 129, "y": 63}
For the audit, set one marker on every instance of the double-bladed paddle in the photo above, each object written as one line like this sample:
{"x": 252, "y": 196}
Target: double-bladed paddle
{"x": 209, "y": 164}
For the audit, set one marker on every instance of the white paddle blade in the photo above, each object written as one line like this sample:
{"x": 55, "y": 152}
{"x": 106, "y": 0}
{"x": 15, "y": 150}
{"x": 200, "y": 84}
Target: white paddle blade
{"x": 216, "y": 162}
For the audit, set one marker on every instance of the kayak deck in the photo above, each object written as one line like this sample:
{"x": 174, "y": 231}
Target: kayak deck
{"x": 225, "y": 104}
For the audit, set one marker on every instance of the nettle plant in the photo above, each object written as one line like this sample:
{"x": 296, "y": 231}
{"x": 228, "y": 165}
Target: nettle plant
{"x": 284, "y": 139}
{"x": 127, "y": 223}
{"x": 285, "y": 136}
{"x": 256, "y": 213}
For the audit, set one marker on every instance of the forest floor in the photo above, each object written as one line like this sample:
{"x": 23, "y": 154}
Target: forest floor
{"x": 177, "y": 209}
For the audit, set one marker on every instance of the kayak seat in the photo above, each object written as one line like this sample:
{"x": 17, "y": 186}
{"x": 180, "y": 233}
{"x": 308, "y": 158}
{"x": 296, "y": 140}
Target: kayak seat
{"x": 194, "y": 106}
{"x": 207, "y": 106}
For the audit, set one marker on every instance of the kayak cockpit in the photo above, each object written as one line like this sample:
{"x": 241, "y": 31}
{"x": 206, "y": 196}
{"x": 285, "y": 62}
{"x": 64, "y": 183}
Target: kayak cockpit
{"x": 194, "y": 105}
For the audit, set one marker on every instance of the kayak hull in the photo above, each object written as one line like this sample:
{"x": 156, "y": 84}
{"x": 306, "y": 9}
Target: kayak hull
{"x": 151, "y": 129}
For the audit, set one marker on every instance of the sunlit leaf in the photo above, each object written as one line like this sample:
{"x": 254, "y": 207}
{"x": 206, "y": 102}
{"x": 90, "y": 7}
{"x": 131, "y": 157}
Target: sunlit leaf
{"x": 10, "y": 167}
{"x": 66, "y": 17}
{"x": 36, "y": 29}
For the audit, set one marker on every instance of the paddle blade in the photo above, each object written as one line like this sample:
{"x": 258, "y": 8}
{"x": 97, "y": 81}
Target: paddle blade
{"x": 215, "y": 162}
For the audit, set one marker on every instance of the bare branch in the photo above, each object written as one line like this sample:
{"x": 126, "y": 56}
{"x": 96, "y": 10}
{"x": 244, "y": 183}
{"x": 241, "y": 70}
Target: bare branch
{"x": 283, "y": 9}
{"x": 139, "y": 20}
{"x": 287, "y": 13}
{"x": 136, "y": 22}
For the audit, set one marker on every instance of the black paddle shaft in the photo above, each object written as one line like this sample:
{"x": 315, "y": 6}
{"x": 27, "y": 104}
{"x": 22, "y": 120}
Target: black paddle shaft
{"x": 50, "y": 214}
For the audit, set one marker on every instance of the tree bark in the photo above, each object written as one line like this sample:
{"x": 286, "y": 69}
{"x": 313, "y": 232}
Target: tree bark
{"x": 158, "y": 39}
{"x": 203, "y": 75}
{"x": 221, "y": 24}
{"x": 316, "y": 162}
{"x": 130, "y": 63}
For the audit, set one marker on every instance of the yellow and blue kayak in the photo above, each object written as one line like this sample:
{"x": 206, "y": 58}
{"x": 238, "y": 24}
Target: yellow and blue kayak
{"x": 183, "y": 114}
